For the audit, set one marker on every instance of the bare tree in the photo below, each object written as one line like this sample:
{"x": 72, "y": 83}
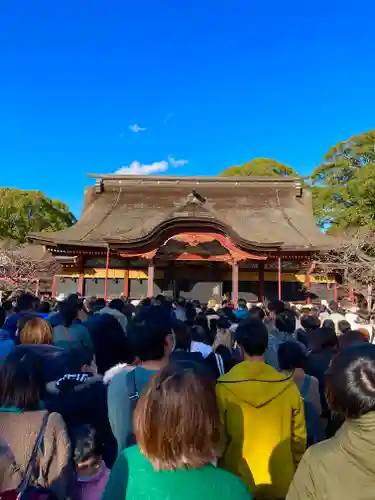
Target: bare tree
{"x": 21, "y": 270}
{"x": 354, "y": 258}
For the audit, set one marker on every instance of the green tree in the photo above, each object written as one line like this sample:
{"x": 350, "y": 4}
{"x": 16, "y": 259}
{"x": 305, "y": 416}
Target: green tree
{"x": 344, "y": 184}
{"x": 22, "y": 212}
{"x": 260, "y": 167}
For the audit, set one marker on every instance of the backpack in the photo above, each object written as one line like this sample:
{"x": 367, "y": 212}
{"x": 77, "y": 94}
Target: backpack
{"x": 314, "y": 426}
{"x": 133, "y": 400}
{"x": 26, "y": 490}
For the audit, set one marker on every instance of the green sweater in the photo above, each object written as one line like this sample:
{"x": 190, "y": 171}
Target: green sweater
{"x": 133, "y": 478}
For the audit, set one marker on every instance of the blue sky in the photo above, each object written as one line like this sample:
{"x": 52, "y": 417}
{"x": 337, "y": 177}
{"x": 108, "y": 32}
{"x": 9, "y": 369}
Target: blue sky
{"x": 215, "y": 83}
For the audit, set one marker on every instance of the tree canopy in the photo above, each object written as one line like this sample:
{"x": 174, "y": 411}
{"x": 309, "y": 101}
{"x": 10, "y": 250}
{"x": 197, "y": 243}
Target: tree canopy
{"x": 259, "y": 167}
{"x": 344, "y": 184}
{"x": 22, "y": 212}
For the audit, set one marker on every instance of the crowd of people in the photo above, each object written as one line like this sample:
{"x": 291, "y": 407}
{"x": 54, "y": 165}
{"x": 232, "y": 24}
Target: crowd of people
{"x": 175, "y": 399}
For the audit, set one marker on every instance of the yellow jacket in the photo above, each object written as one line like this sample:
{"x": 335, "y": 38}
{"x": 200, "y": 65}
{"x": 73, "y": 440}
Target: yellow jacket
{"x": 264, "y": 427}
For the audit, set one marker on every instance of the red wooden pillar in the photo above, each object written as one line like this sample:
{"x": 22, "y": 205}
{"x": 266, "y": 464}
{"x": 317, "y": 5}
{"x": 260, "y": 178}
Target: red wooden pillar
{"x": 351, "y": 294}
{"x": 335, "y": 294}
{"x": 81, "y": 284}
{"x": 150, "y": 278}
{"x": 53, "y": 290}
{"x": 279, "y": 284}
{"x": 106, "y": 274}
{"x": 261, "y": 280}
{"x": 126, "y": 283}
{"x": 235, "y": 283}
{"x": 307, "y": 285}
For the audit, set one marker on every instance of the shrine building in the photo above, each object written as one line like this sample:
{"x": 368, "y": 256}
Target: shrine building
{"x": 196, "y": 237}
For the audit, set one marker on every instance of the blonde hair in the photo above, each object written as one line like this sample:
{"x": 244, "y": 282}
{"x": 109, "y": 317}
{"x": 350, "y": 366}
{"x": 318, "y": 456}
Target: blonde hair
{"x": 36, "y": 331}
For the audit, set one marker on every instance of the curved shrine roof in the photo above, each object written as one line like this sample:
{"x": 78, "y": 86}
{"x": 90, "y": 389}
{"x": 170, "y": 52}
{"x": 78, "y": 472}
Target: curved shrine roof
{"x": 133, "y": 212}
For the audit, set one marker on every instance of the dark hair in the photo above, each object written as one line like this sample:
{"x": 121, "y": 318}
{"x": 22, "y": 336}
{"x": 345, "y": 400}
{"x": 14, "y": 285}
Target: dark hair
{"x": 111, "y": 346}
{"x": 69, "y": 310}
{"x": 98, "y": 304}
{"x": 310, "y": 322}
{"x": 77, "y": 358}
{"x": 44, "y": 307}
{"x": 84, "y": 443}
{"x": 276, "y": 306}
{"x": 291, "y": 356}
{"x": 242, "y": 304}
{"x": 323, "y": 338}
{"x": 176, "y": 420}
{"x": 182, "y": 335}
{"x": 329, "y": 325}
{"x": 222, "y": 323}
{"x": 117, "y": 304}
{"x": 148, "y": 331}
{"x": 350, "y": 381}
{"x": 344, "y": 326}
{"x": 252, "y": 336}
{"x": 334, "y": 307}
{"x": 257, "y": 312}
{"x": 22, "y": 380}
{"x": 352, "y": 337}
{"x": 25, "y": 302}
{"x": 286, "y": 322}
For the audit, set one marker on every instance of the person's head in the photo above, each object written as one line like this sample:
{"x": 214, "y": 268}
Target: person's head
{"x": 344, "y": 326}
{"x": 334, "y": 307}
{"x": 25, "y": 302}
{"x": 285, "y": 322}
{"x": 44, "y": 307}
{"x": 150, "y": 334}
{"x": 36, "y": 331}
{"x": 176, "y": 420}
{"x": 322, "y": 339}
{"x": 146, "y": 302}
{"x": 86, "y": 453}
{"x": 257, "y": 312}
{"x": 117, "y": 304}
{"x": 252, "y": 337}
{"x": 350, "y": 381}
{"x": 81, "y": 360}
{"x": 329, "y": 324}
{"x": 21, "y": 380}
{"x": 242, "y": 304}
{"x": 98, "y": 305}
{"x": 352, "y": 337}
{"x": 309, "y": 323}
{"x": 315, "y": 312}
{"x": 291, "y": 356}
{"x": 182, "y": 335}
{"x": 159, "y": 300}
{"x": 276, "y": 307}
{"x": 69, "y": 310}
{"x": 8, "y": 307}
{"x": 211, "y": 304}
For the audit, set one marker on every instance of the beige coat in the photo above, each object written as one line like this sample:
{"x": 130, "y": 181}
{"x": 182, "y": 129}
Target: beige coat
{"x": 18, "y": 433}
{"x": 341, "y": 468}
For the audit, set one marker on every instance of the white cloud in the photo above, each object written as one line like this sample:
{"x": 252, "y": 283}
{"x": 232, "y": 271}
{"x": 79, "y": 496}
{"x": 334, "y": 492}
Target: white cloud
{"x": 137, "y": 168}
{"x": 176, "y": 163}
{"x": 137, "y": 128}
